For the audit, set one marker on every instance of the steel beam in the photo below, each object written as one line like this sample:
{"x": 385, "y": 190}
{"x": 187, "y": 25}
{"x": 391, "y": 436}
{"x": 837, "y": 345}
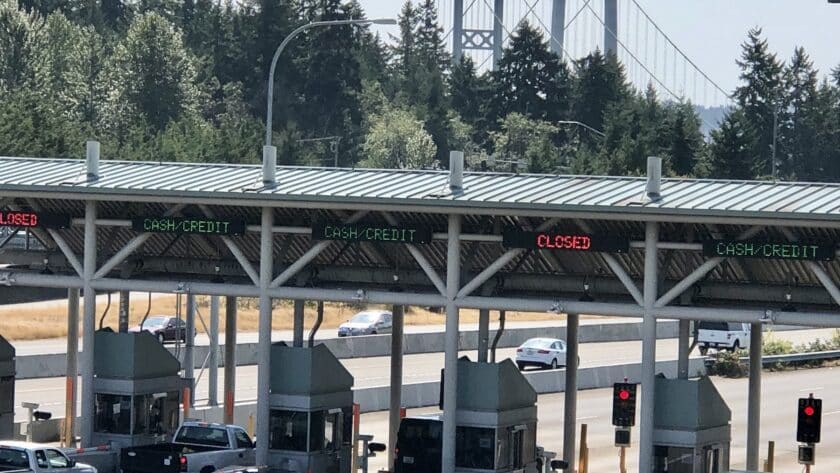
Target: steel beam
{"x": 457, "y": 31}
{"x": 264, "y": 337}
{"x": 683, "y": 347}
{"x": 213, "y": 360}
{"x": 88, "y": 325}
{"x": 310, "y": 255}
{"x": 818, "y": 271}
{"x": 297, "y": 325}
{"x": 616, "y": 268}
{"x": 497, "y": 265}
{"x": 132, "y": 246}
{"x": 72, "y": 367}
{"x": 235, "y": 250}
{"x": 230, "y": 358}
{"x": 124, "y": 311}
{"x": 59, "y": 240}
{"x": 427, "y": 267}
{"x": 754, "y": 399}
{"x": 483, "y": 334}
{"x": 698, "y": 273}
{"x": 570, "y": 390}
{"x": 395, "y": 401}
{"x": 558, "y": 20}
{"x": 451, "y": 337}
{"x": 648, "y": 350}
{"x": 189, "y": 347}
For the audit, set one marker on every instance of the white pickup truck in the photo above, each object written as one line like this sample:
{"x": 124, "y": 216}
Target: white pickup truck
{"x": 27, "y": 457}
{"x": 722, "y": 336}
{"x": 198, "y": 447}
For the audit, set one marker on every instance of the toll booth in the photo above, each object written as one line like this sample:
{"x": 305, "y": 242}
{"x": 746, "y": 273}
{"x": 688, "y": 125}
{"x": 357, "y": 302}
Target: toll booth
{"x": 691, "y": 432}
{"x": 137, "y": 390}
{"x": 496, "y": 419}
{"x": 311, "y": 418}
{"x": 7, "y": 389}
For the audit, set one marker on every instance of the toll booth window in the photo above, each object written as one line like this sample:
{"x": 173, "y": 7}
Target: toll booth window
{"x": 332, "y": 431}
{"x": 516, "y": 449}
{"x": 474, "y": 447}
{"x": 113, "y": 414}
{"x": 288, "y": 430}
{"x": 347, "y": 427}
{"x": 673, "y": 460}
{"x": 151, "y": 413}
{"x": 317, "y": 428}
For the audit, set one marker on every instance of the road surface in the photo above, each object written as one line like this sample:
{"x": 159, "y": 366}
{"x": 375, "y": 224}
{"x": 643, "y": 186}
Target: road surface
{"x": 375, "y": 371}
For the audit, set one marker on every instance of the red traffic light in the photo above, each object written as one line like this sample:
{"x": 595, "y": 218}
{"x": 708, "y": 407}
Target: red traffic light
{"x": 625, "y": 395}
{"x": 809, "y": 411}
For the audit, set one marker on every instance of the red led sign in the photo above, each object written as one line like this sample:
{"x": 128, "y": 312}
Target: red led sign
{"x": 29, "y": 219}
{"x": 570, "y": 241}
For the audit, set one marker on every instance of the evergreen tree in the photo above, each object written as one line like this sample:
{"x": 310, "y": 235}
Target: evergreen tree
{"x": 798, "y": 126}
{"x": 683, "y": 140}
{"x": 114, "y": 14}
{"x": 530, "y": 79}
{"x": 404, "y": 50}
{"x": 599, "y": 83}
{"x": 153, "y": 76}
{"x": 431, "y": 48}
{"x": 18, "y": 45}
{"x": 469, "y": 95}
{"x": 60, "y": 68}
{"x": 731, "y": 151}
{"x": 760, "y": 96}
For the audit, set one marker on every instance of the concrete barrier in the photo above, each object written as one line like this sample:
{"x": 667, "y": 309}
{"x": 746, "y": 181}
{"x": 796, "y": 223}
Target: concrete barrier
{"x": 54, "y": 365}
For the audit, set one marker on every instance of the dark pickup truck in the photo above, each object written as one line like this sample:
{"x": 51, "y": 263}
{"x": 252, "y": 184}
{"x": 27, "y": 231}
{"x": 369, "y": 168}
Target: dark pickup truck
{"x": 198, "y": 447}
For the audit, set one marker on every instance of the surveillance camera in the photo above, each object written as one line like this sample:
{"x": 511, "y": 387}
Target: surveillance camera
{"x": 29, "y": 405}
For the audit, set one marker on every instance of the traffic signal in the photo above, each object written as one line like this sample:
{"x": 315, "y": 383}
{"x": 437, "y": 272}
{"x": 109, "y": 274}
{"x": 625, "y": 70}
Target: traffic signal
{"x": 806, "y": 455}
{"x": 809, "y": 420}
{"x": 624, "y": 405}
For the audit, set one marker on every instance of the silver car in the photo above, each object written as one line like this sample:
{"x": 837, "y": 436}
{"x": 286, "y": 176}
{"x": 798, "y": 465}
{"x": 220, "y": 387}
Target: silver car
{"x": 37, "y": 458}
{"x": 369, "y": 322}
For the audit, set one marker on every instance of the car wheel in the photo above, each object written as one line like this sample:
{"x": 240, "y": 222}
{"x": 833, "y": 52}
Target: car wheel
{"x": 521, "y": 366}
{"x": 208, "y": 469}
{"x": 160, "y": 337}
{"x": 554, "y": 364}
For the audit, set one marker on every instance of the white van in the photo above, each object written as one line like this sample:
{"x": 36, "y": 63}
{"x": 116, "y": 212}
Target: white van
{"x": 722, "y": 336}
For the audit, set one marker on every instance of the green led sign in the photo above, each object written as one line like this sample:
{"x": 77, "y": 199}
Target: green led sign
{"x": 377, "y": 233}
{"x": 184, "y": 225}
{"x": 769, "y": 250}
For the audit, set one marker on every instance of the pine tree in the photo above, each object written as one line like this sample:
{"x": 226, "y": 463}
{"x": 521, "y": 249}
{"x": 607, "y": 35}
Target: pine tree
{"x": 799, "y": 121}
{"x": 599, "y": 82}
{"x": 530, "y": 79}
{"x": 153, "y": 75}
{"x": 683, "y": 140}
{"x": 18, "y": 45}
{"x": 469, "y": 95}
{"x": 760, "y": 96}
{"x": 404, "y": 50}
{"x": 431, "y": 49}
{"x": 731, "y": 151}
{"x": 60, "y": 68}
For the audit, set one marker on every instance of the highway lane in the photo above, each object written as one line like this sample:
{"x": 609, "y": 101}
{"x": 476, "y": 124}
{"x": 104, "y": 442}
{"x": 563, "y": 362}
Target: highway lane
{"x": 778, "y": 421}
{"x": 375, "y": 371}
{"x": 59, "y": 345}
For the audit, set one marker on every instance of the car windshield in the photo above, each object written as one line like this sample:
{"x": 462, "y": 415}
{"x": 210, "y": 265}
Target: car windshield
{"x": 363, "y": 318}
{"x": 155, "y": 321}
{"x": 538, "y": 343}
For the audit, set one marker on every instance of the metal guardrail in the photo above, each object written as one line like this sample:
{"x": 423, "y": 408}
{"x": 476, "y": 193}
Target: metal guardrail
{"x": 792, "y": 357}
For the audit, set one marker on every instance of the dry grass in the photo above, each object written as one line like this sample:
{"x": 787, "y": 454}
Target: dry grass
{"x": 50, "y": 321}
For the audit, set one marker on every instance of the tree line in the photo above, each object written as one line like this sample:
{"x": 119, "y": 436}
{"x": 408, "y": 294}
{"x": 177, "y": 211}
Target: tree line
{"x": 185, "y": 80}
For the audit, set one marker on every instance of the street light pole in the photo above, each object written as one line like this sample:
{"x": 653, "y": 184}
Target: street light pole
{"x": 583, "y": 125}
{"x": 300, "y": 29}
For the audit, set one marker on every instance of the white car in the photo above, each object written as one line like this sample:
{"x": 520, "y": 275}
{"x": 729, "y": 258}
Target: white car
{"x": 369, "y": 322}
{"x": 541, "y": 352}
{"x": 37, "y": 458}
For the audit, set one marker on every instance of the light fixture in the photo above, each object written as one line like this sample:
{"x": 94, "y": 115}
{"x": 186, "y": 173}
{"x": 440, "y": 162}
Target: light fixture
{"x": 586, "y": 297}
{"x": 788, "y": 307}
{"x": 217, "y": 278}
{"x": 46, "y": 269}
{"x": 556, "y": 308}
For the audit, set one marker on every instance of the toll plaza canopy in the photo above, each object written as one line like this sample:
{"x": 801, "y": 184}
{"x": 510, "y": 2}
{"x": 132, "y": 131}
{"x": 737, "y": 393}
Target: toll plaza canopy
{"x": 741, "y": 251}
{"x": 198, "y": 222}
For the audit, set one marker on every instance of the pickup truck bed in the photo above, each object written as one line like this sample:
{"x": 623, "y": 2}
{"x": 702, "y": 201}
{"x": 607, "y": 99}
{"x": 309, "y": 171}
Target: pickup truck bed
{"x": 163, "y": 458}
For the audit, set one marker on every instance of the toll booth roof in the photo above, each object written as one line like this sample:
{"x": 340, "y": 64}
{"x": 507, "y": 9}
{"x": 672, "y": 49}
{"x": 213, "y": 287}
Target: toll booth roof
{"x": 307, "y": 371}
{"x": 7, "y": 351}
{"x": 689, "y": 404}
{"x": 493, "y": 386}
{"x": 132, "y": 356}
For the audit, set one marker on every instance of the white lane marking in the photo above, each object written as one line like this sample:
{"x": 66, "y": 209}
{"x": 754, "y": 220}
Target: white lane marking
{"x": 831, "y": 413}
{"x": 587, "y": 418}
{"x": 811, "y": 389}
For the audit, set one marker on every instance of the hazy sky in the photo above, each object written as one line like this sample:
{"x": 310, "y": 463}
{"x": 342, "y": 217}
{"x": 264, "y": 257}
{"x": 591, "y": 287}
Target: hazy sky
{"x": 710, "y": 32}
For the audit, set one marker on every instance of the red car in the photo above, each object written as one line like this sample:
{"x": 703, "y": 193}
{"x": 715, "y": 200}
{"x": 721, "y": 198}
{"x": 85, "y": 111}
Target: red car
{"x": 164, "y": 327}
